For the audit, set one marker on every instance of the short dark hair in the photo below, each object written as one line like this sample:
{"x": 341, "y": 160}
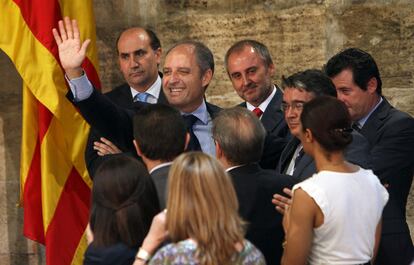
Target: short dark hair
{"x": 329, "y": 121}
{"x": 361, "y": 63}
{"x": 160, "y": 132}
{"x": 258, "y": 47}
{"x": 240, "y": 135}
{"x": 124, "y": 201}
{"x": 204, "y": 56}
{"x": 311, "y": 80}
{"x": 154, "y": 40}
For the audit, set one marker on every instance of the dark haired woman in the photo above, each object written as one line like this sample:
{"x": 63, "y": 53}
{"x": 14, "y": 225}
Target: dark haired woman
{"x": 124, "y": 201}
{"x": 335, "y": 215}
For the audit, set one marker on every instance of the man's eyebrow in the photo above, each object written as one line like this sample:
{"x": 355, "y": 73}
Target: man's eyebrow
{"x": 251, "y": 68}
{"x": 135, "y": 51}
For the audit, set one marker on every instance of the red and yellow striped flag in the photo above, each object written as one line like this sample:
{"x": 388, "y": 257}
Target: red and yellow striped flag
{"x": 55, "y": 186}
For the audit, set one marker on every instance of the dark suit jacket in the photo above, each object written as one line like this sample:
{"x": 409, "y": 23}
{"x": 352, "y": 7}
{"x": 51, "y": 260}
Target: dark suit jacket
{"x": 254, "y": 188}
{"x": 122, "y": 97}
{"x": 391, "y": 135}
{"x": 277, "y": 131}
{"x": 117, "y": 254}
{"x": 357, "y": 153}
{"x": 114, "y": 122}
{"x": 160, "y": 179}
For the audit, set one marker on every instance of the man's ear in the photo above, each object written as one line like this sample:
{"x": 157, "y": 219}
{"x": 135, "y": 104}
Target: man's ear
{"x": 187, "y": 140}
{"x": 137, "y": 148}
{"x": 206, "y": 78}
{"x": 372, "y": 85}
{"x": 271, "y": 69}
{"x": 219, "y": 151}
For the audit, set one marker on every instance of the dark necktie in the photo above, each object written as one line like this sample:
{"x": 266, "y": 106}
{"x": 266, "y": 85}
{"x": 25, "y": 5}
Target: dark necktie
{"x": 299, "y": 157}
{"x": 356, "y": 126}
{"x": 258, "y": 112}
{"x": 194, "y": 144}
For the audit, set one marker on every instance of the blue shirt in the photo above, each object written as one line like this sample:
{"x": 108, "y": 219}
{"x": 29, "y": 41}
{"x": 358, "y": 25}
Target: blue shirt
{"x": 203, "y": 129}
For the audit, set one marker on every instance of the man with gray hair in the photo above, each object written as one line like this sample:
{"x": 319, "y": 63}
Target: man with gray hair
{"x": 250, "y": 68}
{"x": 239, "y": 138}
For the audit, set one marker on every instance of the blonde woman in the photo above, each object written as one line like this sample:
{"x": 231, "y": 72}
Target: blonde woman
{"x": 202, "y": 218}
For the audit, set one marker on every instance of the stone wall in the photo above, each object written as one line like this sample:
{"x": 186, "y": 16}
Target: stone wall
{"x": 299, "y": 33}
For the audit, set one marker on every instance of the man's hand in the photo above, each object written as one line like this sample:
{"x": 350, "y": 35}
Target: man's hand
{"x": 282, "y": 202}
{"x": 71, "y": 51}
{"x": 105, "y": 147}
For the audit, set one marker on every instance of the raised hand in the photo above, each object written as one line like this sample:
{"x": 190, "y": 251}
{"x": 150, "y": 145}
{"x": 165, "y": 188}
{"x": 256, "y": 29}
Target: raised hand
{"x": 72, "y": 51}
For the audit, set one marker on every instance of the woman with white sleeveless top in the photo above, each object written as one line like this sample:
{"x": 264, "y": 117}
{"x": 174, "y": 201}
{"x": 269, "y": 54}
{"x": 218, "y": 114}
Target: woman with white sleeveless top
{"x": 335, "y": 216}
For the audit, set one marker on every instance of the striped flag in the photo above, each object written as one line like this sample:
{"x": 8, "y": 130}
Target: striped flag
{"x": 55, "y": 186}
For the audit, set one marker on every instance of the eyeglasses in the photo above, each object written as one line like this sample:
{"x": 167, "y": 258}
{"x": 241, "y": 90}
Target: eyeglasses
{"x": 294, "y": 106}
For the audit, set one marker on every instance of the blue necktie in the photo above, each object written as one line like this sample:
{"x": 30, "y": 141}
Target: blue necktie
{"x": 142, "y": 97}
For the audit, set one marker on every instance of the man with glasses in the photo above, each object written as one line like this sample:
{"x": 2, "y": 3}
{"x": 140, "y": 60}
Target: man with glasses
{"x": 299, "y": 89}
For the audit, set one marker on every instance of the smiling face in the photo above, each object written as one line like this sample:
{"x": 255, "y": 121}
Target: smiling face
{"x": 183, "y": 83}
{"x": 251, "y": 78}
{"x": 293, "y": 100}
{"x": 138, "y": 62}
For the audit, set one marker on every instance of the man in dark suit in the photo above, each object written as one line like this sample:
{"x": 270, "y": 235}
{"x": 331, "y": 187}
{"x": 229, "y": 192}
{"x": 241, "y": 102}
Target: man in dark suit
{"x": 160, "y": 135}
{"x": 250, "y": 68}
{"x": 188, "y": 70}
{"x": 300, "y": 88}
{"x": 239, "y": 137}
{"x": 139, "y": 54}
{"x": 391, "y": 135}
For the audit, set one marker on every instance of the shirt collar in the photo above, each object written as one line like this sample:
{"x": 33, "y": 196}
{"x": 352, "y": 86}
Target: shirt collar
{"x": 362, "y": 121}
{"x": 264, "y": 104}
{"x": 154, "y": 90}
{"x": 160, "y": 166}
{"x": 201, "y": 113}
{"x": 234, "y": 167}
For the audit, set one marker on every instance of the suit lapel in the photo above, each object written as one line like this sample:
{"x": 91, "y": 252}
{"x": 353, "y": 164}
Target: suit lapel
{"x": 300, "y": 167}
{"x": 273, "y": 115}
{"x": 287, "y": 154}
{"x": 213, "y": 110}
{"x": 375, "y": 121}
{"x": 124, "y": 97}
{"x": 162, "y": 98}
{"x": 243, "y": 105}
